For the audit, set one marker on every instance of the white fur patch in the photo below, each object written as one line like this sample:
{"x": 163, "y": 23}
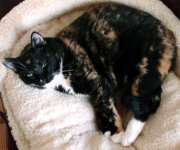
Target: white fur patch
{"x": 133, "y": 129}
{"x": 107, "y": 134}
{"x": 59, "y": 80}
{"x": 117, "y": 138}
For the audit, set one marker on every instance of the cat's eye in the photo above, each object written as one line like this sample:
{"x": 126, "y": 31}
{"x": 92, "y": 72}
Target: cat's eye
{"x": 44, "y": 65}
{"x": 30, "y": 75}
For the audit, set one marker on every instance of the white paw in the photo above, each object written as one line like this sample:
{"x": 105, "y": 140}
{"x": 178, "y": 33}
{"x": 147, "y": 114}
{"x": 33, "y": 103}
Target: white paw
{"x": 116, "y": 138}
{"x": 107, "y": 134}
{"x": 133, "y": 129}
{"x": 127, "y": 139}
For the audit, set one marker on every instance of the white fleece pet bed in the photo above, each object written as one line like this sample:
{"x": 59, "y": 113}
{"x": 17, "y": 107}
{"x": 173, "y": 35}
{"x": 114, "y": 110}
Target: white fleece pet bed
{"x": 47, "y": 119}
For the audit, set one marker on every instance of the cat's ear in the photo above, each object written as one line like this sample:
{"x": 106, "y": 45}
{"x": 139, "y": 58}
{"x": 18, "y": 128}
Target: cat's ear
{"x": 37, "y": 40}
{"x": 11, "y": 63}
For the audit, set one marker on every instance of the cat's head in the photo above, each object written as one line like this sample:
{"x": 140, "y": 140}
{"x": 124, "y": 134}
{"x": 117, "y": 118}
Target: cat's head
{"x": 38, "y": 62}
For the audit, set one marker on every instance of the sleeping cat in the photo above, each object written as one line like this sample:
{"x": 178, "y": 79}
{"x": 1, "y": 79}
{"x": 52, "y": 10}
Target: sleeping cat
{"x": 109, "y": 47}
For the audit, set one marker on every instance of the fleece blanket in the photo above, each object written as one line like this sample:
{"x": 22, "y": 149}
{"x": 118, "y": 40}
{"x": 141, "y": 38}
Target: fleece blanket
{"x": 47, "y": 119}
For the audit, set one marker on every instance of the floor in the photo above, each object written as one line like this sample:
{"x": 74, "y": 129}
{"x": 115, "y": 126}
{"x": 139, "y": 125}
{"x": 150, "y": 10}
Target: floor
{"x": 3, "y": 131}
{"x": 6, "y": 140}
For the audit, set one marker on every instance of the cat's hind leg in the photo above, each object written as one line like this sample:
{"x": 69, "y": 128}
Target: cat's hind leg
{"x": 142, "y": 98}
{"x": 142, "y": 107}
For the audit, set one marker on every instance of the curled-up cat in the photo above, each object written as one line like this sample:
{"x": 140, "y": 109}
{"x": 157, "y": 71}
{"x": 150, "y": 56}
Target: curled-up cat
{"x": 109, "y": 47}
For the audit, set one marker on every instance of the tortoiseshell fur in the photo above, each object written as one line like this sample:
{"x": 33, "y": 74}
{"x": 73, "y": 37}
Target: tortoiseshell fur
{"x": 112, "y": 47}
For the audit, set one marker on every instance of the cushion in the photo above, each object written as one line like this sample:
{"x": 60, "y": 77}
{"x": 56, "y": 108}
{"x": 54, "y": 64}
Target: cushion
{"x": 47, "y": 119}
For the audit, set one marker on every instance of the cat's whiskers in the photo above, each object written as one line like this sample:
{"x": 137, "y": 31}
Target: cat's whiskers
{"x": 56, "y": 72}
{"x": 35, "y": 60}
{"x": 61, "y": 67}
{"x": 21, "y": 65}
{"x": 67, "y": 65}
{"x": 64, "y": 71}
{"x": 67, "y": 71}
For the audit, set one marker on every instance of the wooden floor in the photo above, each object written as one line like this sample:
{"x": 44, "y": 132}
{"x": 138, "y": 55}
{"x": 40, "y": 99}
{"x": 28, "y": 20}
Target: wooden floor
{"x": 3, "y": 131}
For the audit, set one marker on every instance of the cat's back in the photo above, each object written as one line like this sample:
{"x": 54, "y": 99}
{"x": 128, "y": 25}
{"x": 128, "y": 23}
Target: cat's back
{"x": 116, "y": 28}
{"x": 117, "y": 16}
{"x": 112, "y": 21}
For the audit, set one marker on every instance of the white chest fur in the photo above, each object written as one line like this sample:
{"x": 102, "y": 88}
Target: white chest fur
{"x": 59, "y": 80}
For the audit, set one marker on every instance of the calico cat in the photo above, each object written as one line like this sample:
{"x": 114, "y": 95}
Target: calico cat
{"x": 109, "y": 47}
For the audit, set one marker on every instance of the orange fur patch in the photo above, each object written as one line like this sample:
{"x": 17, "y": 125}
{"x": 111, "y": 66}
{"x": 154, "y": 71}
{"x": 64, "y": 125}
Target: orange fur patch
{"x": 165, "y": 62}
{"x": 118, "y": 121}
{"x": 143, "y": 65}
{"x": 134, "y": 88}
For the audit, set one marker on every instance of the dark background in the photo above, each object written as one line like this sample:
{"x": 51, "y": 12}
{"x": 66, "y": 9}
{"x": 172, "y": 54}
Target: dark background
{"x": 7, "y": 5}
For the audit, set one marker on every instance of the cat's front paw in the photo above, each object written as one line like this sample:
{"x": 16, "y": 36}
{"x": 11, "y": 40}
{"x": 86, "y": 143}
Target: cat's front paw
{"x": 127, "y": 139}
{"x": 124, "y": 138}
{"x": 117, "y": 137}
{"x": 107, "y": 134}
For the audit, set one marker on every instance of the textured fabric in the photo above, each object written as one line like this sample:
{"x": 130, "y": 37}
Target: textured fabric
{"x": 47, "y": 119}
